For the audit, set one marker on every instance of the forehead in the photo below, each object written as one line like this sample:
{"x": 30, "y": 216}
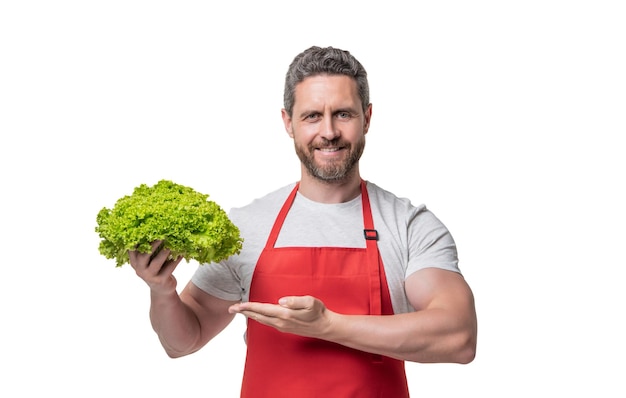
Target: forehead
{"x": 327, "y": 89}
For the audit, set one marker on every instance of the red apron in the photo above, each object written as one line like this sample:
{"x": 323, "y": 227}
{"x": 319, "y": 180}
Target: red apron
{"x": 347, "y": 280}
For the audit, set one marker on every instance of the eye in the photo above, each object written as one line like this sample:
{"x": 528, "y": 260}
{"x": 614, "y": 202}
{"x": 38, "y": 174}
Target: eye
{"x": 311, "y": 117}
{"x": 344, "y": 115}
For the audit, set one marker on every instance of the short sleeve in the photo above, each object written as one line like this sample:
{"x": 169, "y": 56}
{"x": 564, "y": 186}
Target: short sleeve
{"x": 219, "y": 280}
{"x": 430, "y": 243}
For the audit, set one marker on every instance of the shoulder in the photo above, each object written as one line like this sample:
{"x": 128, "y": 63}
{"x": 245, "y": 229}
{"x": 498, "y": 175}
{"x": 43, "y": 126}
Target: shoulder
{"x": 269, "y": 203}
{"x": 388, "y": 203}
{"x": 416, "y": 223}
{"x": 256, "y": 218}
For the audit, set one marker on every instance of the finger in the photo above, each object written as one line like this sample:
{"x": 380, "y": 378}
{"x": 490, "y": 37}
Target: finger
{"x": 156, "y": 247}
{"x": 143, "y": 259}
{"x": 259, "y": 317}
{"x": 296, "y": 302}
{"x": 132, "y": 258}
{"x": 170, "y": 265}
{"x": 256, "y": 310}
{"x": 251, "y": 315}
{"x": 160, "y": 256}
{"x": 138, "y": 259}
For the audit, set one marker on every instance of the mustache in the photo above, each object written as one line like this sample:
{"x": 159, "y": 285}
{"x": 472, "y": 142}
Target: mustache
{"x": 326, "y": 143}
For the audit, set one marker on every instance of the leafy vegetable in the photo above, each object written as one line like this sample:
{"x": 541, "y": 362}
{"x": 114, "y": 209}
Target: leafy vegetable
{"x": 184, "y": 220}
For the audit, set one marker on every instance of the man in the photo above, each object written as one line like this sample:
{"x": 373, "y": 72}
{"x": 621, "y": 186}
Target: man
{"x": 341, "y": 281}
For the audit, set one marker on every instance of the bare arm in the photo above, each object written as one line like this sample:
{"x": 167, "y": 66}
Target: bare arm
{"x": 185, "y": 322}
{"x": 442, "y": 329}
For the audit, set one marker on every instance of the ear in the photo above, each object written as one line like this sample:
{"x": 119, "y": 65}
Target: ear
{"x": 287, "y": 122}
{"x": 368, "y": 118}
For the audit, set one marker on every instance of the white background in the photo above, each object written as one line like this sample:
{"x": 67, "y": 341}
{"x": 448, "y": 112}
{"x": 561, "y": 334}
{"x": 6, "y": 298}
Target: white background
{"x": 505, "y": 118}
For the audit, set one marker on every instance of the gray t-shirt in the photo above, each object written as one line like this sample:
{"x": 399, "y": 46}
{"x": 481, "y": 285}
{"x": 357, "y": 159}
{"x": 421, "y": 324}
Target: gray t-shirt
{"x": 410, "y": 238}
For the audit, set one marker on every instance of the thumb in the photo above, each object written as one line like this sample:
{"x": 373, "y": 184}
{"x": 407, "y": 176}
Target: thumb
{"x": 296, "y": 302}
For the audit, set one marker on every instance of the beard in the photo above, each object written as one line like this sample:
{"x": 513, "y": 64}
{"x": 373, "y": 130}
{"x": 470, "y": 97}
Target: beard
{"x": 331, "y": 171}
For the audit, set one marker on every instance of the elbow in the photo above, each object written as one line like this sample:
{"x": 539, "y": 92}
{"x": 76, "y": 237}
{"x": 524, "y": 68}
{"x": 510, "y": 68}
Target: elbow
{"x": 459, "y": 349}
{"x": 177, "y": 354}
{"x": 174, "y": 354}
{"x": 466, "y": 349}
{"x": 466, "y": 355}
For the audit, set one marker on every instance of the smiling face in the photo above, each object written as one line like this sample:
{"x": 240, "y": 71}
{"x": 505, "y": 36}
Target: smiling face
{"x": 328, "y": 126}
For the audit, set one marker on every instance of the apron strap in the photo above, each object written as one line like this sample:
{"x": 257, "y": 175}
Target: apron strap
{"x": 371, "y": 238}
{"x": 278, "y": 224}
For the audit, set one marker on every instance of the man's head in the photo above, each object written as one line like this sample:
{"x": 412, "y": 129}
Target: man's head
{"x": 327, "y": 112}
{"x": 318, "y": 61}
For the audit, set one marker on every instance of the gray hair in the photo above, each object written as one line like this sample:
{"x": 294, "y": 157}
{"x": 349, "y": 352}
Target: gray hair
{"x": 329, "y": 61}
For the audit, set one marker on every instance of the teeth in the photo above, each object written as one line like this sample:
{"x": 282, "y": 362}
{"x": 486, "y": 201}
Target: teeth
{"x": 329, "y": 149}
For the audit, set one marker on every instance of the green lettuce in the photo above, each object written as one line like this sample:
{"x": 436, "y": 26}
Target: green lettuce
{"x": 187, "y": 223}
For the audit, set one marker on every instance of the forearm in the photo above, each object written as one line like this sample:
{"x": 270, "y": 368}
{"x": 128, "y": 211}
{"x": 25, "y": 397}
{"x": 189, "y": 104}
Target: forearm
{"x": 426, "y": 336}
{"x": 443, "y": 328}
{"x": 175, "y": 323}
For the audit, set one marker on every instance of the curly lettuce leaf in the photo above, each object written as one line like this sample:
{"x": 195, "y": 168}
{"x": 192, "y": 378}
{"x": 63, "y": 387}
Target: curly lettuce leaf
{"x": 187, "y": 223}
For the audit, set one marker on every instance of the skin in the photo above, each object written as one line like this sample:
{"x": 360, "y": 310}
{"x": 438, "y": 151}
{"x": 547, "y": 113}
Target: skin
{"x": 328, "y": 125}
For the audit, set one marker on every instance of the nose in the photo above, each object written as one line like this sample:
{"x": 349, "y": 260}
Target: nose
{"x": 329, "y": 129}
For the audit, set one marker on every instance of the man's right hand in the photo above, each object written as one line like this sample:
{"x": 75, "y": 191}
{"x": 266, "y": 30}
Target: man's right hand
{"x": 155, "y": 268}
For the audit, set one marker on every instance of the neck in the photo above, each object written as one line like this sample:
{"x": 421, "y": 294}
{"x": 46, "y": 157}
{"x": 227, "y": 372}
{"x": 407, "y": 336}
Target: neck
{"x": 330, "y": 191}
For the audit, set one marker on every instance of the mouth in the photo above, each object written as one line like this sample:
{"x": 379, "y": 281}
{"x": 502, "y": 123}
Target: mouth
{"x": 330, "y": 149}
{"x": 330, "y": 153}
